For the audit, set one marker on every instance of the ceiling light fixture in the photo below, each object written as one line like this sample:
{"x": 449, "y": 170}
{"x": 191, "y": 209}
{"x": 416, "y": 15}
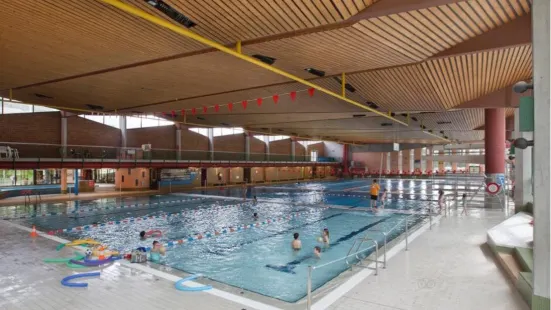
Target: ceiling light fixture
{"x": 315, "y": 72}
{"x": 265, "y": 59}
{"x": 372, "y": 105}
{"x": 348, "y": 86}
{"x": 172, "y": 13}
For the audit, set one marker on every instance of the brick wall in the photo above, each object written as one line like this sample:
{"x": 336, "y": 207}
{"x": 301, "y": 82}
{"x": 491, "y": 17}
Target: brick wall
{"x": 32, "y": 128}
{"x": 81, "y": 131}
{"x": 257, "y": 146}
{"x": 320, "y": 147}
{"x": 163, "y": 137}
{"x": 194, "y": 141}
{"x": 300, "y": 150}
{"x": 281, "y": 147}
{"x": 230, "y": 143}
{"x": 371, "y": 160}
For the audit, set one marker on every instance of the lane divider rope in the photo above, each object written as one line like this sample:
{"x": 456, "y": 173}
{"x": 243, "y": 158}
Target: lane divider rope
{"x": 131, "y": 220}
{"x": 86, "y": 210}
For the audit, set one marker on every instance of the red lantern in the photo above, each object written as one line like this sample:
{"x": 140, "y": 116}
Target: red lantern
{"x": 275, "y": 98}
{"x": 244, "y": 104}
{"x": 293, "y": 95}
{"x": 311, "y": 91}
{"x": 259, "y": 101}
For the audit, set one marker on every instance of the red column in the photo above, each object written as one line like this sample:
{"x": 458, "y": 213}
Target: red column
{"x": 494, "y": 141}
{"x": 345, "y": 159}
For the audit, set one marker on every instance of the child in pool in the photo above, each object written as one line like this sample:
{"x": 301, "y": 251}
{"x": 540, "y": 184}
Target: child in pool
{"x": 325, "y": 236}
{"x": 317, "y": 252}
{"x": 156, "y": 251}
{"x": 296, "y": 244}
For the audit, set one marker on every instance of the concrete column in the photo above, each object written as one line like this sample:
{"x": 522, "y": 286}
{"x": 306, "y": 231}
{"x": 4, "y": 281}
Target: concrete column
{"x": 400, "y": 161}
{"x": 293, "y": 148}
{"x": 267, "y": 141}
{"x": 454, "y": 164}
{"x": 523, "y": 167}
{"x": 541, "y": 35}
{"x": 122, "y": 125}
{"x": 494, "y": 143}
{"x": 418, "y": 156}
{"x": 63, "y": 177}
{"x": 247, "y": 145}
{"x": 64, "y": 135}
{"x": 345, "y": 159}
{"x": 395, "y": 161}
{"x": 429, "y": 164}
{"x": 210, "y": 136}
{"x": 388, "y": 166}
{"x": 178, "y": 142}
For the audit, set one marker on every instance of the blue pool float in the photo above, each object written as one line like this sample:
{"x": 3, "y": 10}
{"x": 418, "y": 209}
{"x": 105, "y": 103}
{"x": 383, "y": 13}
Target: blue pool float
{"x": 94, "y": 262}
{"x": 65, "y": 281}
{"x": 179, "y": 285}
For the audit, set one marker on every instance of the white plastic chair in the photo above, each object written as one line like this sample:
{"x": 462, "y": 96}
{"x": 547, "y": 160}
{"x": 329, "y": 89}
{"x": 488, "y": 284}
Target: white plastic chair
{"x": 13, "y": 153}
{"x": 5, "y": 150}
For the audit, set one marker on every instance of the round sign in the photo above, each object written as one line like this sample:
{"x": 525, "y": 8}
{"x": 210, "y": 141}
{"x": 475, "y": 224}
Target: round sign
{"x": 493, "y": 188}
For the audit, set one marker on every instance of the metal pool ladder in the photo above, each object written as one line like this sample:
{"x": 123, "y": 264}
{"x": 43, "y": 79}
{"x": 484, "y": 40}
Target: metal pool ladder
{"x": 355, "y": 248}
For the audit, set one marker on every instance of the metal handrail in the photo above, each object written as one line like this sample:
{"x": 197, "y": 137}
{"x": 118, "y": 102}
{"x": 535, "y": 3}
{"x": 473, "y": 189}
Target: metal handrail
{"x": 312, "y": 268}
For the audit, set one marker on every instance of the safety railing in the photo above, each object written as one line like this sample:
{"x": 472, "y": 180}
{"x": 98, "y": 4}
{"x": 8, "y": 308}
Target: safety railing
{"x": 312, "y": 268}
{"x": 358, "y": 252}
{"x": 86, "y": 152}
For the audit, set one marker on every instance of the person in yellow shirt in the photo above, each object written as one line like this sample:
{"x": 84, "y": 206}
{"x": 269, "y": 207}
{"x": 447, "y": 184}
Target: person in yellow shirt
{"x": 375, "y": 188}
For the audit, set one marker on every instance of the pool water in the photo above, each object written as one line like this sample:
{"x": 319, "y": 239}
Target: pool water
{"x": 258, "y": 259}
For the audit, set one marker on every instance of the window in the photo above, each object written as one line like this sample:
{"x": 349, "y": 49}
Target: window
{"x": 309, "y": 142}
{"x": 8, "y": 106}
{"x": 201, "y": 131}
{"x": 271, "y": 138}
{"x": 314, "y": 156}
{"x": 223, "y": 131}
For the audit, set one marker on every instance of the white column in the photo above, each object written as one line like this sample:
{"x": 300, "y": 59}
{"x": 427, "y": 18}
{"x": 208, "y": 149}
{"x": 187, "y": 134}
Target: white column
{"x": 210, "y": 135}
{"x": 179, "y": 142}
{"x": 267, "y": 141}
{"x": 523, "y": 167}
{"x": 388, "y": 168}
{"x": 122, "y": 126}
{"x": 400, "y": 161}
{"x": 411, "y": 160}
{"x": 247, "y": 145}
{"x": 541, "y": 18}
{"x": 293, "y": 149}
{"x": 64, "y": 134}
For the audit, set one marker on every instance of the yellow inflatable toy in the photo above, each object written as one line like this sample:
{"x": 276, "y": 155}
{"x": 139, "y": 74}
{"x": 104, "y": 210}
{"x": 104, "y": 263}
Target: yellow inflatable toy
{"x": 82, "y": 242}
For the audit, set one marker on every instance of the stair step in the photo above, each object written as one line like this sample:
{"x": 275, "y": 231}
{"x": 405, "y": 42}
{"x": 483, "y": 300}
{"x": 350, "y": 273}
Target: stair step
{"x": 510, "y": 265}
{"x": 525, "y": 257}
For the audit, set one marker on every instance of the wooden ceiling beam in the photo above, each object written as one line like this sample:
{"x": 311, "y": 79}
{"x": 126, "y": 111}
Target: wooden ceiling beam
{"x": 388, "y": 7}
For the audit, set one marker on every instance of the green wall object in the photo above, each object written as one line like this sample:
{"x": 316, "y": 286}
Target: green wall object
{"x": 526, "y": 114}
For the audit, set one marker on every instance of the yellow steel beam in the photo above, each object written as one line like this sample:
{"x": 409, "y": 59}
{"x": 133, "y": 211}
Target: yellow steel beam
{"x": 238, "y": 47}
{"x": 190, "y": 34}
{"x": 343, "y": 84}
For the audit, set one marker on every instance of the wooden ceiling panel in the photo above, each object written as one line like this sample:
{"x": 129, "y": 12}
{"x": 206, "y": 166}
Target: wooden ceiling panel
{"x": 182, "y": 78}
{"x": 463, "y": 78}
{"x": 228, "y": 21}
{"x": 46, "y": 39}
{"x": 422, "y": 33}
{"x": 333, "y": 51}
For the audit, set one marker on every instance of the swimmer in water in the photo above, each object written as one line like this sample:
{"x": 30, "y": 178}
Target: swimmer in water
{"x": 156, "y": 251}
{"x": 296, "y": 244}
{"x": 325, "y": 236}
{"x": 254, "y": 199}
{"x": 142, "y": 235}
{"x": 384, "y": 198}
{"x": 317, "y": 252}
{"x": 255, "y": 216}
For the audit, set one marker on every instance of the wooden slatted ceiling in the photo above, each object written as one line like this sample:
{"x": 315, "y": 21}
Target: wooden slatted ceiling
{"x": 43, "y": 40}
{"x": 186, "y": 77}
{"x": 464, "y": 136}
{"x": 467, "y": 77}
{"x": 466, "y": 119}
{"x": 423, "y": 33}
{"x": 228, "y": 21}
{"x": 444, "y": 83}
{"x": 334, "y": 51}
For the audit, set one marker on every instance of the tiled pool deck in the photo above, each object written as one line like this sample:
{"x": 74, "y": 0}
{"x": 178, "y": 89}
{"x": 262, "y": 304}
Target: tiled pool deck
{"x": 445, "y": 268}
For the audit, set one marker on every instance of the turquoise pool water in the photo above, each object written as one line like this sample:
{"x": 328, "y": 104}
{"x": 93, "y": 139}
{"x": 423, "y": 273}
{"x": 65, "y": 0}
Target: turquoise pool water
{"x": 258, "y": 259}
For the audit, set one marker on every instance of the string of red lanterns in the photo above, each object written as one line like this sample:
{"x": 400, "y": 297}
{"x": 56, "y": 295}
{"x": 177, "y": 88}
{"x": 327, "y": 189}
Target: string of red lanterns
{"x": 244, "y": 103}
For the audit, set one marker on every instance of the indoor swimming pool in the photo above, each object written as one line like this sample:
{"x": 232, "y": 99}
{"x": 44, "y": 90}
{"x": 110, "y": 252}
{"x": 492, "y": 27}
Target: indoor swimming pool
{"x": 235, "y": 248}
